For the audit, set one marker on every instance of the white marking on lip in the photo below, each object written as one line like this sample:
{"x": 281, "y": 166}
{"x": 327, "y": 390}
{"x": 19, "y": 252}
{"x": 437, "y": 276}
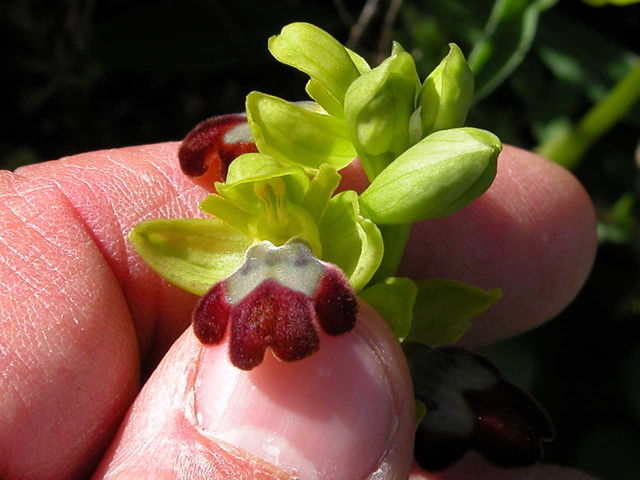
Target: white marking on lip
{"x": 292, "y": 265}
{"x": 239, "y": 133}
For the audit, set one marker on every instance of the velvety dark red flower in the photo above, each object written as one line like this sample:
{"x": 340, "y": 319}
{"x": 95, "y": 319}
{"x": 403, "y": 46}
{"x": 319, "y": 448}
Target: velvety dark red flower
{"x": 213, "y": 144}
{"x": 471, "y": 407}
{"x": 278, "y": 299}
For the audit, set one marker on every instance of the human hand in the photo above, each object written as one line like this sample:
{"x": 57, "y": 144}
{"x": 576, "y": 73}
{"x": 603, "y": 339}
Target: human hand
{"x": 83, "y": 318}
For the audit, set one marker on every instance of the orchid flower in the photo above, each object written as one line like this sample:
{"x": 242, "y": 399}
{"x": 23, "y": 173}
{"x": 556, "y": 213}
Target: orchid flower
{"x": 283, "y": 256}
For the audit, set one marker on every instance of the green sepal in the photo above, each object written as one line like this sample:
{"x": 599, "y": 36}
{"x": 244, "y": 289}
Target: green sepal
{"x": 394, "y": 300}
{"x": 420, "y": 411}
{"x": 250, "y": 168}
{"x": 192, "y": 254}
{"x": 446, "y": 94}
{"x": 316, "y": 53}
{"x": 444, "y": 310}
{"x": 378, "y": 107}
{"x": 350, "y": 241}
{"x": 294, "y": 135}
{"x": 361, "y": 64}
{"x": 434, "y": 178}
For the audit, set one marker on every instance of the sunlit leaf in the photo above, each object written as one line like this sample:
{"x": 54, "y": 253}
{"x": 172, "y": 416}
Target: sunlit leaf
{"x": 394, "y": 300}
{"x": 444, "y": 310}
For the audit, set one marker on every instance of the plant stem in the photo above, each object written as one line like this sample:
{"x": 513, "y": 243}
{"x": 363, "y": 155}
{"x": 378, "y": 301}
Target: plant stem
{"x": 568, "y": 147}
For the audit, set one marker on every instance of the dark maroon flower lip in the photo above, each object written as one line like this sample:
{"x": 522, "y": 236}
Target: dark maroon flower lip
{"x": 471, "y": 407}
{"x": 279, "y": 299}
{"x": 213, "y": 144}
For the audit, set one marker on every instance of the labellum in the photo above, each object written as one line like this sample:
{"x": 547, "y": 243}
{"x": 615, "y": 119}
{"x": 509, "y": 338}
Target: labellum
{"x": 213, "y": 144}
{"x": 278, "y": 299}
{"x": 469, "y": 406}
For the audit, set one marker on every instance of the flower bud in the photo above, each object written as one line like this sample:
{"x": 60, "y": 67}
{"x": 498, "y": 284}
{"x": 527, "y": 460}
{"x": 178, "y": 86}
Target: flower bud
{"x": 445, "y": 95}
{"x": 378, "y": 106}
{"x": 434, "y": 178}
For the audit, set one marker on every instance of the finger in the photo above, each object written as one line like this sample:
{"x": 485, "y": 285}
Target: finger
{"x": 473, "y": 467}
{"x": 71, "y": 254}
{"x": 344, "y": 412}
{"x": 533, "y": 234}
{"x": 111, "y": 191}
{"x": 68, "y": 352}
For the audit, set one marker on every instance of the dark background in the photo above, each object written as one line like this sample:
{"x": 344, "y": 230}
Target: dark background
{"x": 86, "y": 75}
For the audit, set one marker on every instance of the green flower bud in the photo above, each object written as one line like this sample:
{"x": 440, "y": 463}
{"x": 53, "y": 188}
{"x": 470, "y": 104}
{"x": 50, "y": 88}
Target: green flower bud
{"x": 378, "y": 107}
{"x": 445, "y": 96}
{"x": 434, "y": 178}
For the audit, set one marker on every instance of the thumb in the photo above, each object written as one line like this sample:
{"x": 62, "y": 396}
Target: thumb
{"x": 344, "y": 412}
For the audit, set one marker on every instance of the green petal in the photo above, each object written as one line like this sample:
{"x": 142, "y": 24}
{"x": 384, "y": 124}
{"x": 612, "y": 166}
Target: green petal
{"x": 316, "y": 53}
{"x": 434, "y": 178}
{"x": 378, "y": 107}
{"x": 444, "y": 310}
{"x": 294, "y": 135}
{"x": 445, "y": 96}
{"x": 250, "y": 168}
{"x": 323, "y": 97}
{"x": 320, "y": 190}
{"x": 394, "y": 300}
{"x": 192, "y": 254}
{"x": 349, "y": 241}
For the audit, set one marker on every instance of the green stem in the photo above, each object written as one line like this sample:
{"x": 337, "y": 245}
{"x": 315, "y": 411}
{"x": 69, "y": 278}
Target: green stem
{"x": 568, "y": 147}
{"x": 395, "y": 238}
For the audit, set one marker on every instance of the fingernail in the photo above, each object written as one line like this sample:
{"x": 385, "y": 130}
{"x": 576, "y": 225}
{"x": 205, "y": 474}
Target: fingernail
{"x": 328, "y": 416}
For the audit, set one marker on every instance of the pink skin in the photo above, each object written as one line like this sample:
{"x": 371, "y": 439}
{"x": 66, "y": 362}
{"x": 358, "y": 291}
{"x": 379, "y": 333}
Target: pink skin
{"x": 81, "y": 316}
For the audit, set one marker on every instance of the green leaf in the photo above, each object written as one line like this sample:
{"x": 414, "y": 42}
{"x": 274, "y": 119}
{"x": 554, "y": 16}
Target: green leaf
{"x": 394, "y": 300}
{"x": 434, "y": 178}
{"x": 508, "y": 37}
{"x": 378, "y": 107}
{"x": 293, "y": 135}
{"x": 316, "y": 53}
{"x": 349, "y": 241}
{"x": 250, "y": 168}
{"x": 445, "y": 95}
{"x": 192, "y": 254}
{"x": 444, "y": 310}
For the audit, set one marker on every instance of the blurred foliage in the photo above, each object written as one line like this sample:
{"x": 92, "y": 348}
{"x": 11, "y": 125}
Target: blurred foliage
{"x": 85, "y": 74}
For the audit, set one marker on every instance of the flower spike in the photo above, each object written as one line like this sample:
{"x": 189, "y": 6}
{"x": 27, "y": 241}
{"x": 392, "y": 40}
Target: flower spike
{"x": 279, "y": 299}
{"x": 213, "y": 144}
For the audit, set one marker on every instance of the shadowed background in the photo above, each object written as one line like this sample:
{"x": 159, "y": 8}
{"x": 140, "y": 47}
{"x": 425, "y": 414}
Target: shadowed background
{"x": 88, "y": 75}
